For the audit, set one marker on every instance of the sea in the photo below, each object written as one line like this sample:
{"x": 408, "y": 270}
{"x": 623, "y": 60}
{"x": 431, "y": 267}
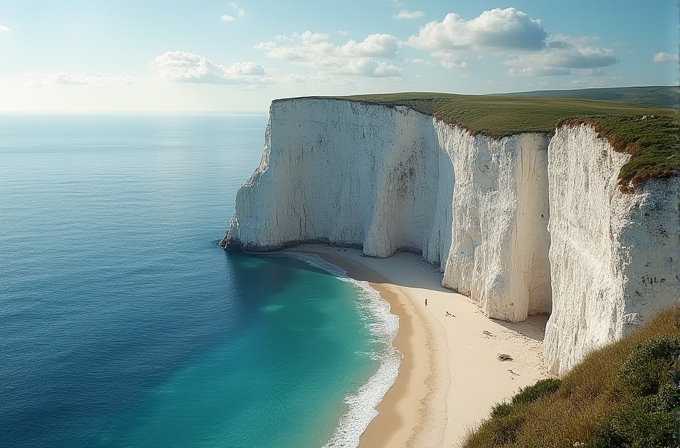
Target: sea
{"x": 124, "y": 324}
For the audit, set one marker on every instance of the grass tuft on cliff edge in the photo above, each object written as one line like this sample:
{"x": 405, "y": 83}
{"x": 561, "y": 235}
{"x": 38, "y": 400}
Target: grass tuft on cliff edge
{"x": 649, "y": 135}
{"x": 623, "y": 395}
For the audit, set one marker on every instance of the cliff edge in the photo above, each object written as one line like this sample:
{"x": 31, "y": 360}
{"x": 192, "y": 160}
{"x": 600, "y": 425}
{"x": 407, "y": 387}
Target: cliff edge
{"x": 528, "y": 223}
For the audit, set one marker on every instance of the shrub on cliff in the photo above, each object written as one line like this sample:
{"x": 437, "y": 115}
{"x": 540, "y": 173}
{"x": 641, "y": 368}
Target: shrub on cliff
{"x": 646, "y": 368}
{"x": 642, "y": 422}
{"x": 623, "y": 395}
{"x": 532, "y": 393}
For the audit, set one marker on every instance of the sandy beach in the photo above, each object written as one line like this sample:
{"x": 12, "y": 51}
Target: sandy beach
{"x": 450, "y": 375}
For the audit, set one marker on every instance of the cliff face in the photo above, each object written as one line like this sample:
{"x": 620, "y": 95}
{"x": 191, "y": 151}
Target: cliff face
{"x": 524, "y": 225}
{"x": 613, "y": 256}
{"x": 348, "y": 174}
{"x": 500, "y": 241}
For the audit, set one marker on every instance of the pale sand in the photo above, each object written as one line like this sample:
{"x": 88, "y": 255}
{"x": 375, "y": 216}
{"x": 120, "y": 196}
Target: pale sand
{"x": 450, "y": 376}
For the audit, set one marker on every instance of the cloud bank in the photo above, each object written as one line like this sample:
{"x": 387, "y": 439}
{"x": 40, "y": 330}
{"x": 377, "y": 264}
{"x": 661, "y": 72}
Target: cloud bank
{"x": 352, "y": 58}
{"x": 65, "y": 79}
{"x": 495, "y": 29}
{"x": 179, "y": 66}
{"x": 561, "y": 55}
{"x": 527, "y": 46}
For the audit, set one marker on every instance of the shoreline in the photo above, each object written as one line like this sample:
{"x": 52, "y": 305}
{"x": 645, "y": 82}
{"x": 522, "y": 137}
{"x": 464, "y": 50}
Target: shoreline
{"x": 449, "y": 376}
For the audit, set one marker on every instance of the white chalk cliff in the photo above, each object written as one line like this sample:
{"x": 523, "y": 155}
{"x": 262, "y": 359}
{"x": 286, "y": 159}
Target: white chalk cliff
{"x": 528, "y": 224}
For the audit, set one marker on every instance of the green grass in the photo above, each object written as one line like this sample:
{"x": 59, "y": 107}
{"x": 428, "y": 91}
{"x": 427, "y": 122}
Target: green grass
{"x": 622, "y": 395}
{"x": 647, "y": 96}
{"x": 502, "y": 115}
{"x": 653, "y": 143}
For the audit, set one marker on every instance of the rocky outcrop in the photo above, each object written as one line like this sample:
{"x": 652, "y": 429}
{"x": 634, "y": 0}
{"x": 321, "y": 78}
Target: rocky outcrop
{"x": 528, "y": 224}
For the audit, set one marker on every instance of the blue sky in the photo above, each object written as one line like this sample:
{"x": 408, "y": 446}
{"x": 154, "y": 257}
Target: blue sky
{"x": 208, "y": 55}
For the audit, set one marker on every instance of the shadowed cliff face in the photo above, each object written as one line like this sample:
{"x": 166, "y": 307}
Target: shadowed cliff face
{"x": 499, "y": 246}
{"x": 389, "y": 178}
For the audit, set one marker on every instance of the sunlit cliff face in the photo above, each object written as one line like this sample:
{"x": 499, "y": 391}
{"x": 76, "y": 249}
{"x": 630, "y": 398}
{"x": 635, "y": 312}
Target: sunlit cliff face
{"x": 527, "y": 224}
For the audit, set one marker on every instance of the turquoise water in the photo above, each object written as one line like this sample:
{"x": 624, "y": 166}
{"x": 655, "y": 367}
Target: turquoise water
{"x": 124, "y": 324}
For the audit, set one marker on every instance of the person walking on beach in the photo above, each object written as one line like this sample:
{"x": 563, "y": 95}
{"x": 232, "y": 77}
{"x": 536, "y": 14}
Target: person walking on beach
{"x": 425, "y": 302}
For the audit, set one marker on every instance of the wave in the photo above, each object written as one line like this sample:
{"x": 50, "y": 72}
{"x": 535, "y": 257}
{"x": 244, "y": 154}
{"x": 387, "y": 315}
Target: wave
{"x": 383, "y": 326}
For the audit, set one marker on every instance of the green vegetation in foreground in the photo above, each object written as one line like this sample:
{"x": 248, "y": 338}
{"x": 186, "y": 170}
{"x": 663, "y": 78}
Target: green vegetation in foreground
{"x": 649, "y": 135}
{"x": 623, "y": 395}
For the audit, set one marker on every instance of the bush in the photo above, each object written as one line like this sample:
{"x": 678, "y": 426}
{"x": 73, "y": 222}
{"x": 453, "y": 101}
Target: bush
{"x": 650, "y": 365}
{"x": 670, "y": 394}
{"x": 532, "y": 393}
{"x": 505, "y": 429}
{"x": 643, "y": 422}
{"x": 501, "y": 410}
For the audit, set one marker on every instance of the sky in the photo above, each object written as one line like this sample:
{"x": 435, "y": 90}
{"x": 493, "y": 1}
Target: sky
{"x": 223, "y": 56}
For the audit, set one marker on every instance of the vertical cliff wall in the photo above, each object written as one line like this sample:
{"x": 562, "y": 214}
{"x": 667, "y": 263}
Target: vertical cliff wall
{"x": 614, "y": 257}
{"x": 527, "y": 224}
{"x": 499, "y": 244}
{"x": 350, "y": 174}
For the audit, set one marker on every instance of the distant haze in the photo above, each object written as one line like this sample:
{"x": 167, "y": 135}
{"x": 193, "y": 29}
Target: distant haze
{"x": 209, "y": 55}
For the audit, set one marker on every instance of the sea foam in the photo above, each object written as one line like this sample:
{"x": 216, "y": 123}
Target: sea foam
{"x": 383, "y": 327}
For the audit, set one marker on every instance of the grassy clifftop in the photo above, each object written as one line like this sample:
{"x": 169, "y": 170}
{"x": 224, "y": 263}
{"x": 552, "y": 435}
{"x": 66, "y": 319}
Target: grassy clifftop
{"x": 648, "y": 96}
{"x": 650, "y": 135}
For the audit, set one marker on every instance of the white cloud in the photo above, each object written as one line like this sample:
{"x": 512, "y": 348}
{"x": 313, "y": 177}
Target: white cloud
{"x": 590, "y": 72}
{"x": 665, "y": 57}
{"x": 96, "y": 81}
{"x": 528, "y": 48}
{"x": 375, "y": 45}
{"x": 418, "y": 61}
{"x": 310, "y": 47}
{"x": 354, "y": 58}
{"x": 539, "y": 71}
{"x": 4, "y": 29}
{"x": 179, "y": 66}
{"x": 305, "y": 47}
{"x": 239, "y": 10}
{"x": 450, "y": 60}
{"x": 63, "y": 78}
{"x": 495, "y": 29}
{"x": 560, "y": 57}
{"x": 408, "y": 15}
{"x": 369, "y": 68}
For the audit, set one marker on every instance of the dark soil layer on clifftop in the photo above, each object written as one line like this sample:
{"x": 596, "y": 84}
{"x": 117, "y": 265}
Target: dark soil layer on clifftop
{"x": 650, "y": 135}
{"x": 624, "y": 395}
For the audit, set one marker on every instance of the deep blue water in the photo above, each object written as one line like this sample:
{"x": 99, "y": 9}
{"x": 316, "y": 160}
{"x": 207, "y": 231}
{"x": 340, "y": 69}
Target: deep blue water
{"x": 122, "y": 322}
